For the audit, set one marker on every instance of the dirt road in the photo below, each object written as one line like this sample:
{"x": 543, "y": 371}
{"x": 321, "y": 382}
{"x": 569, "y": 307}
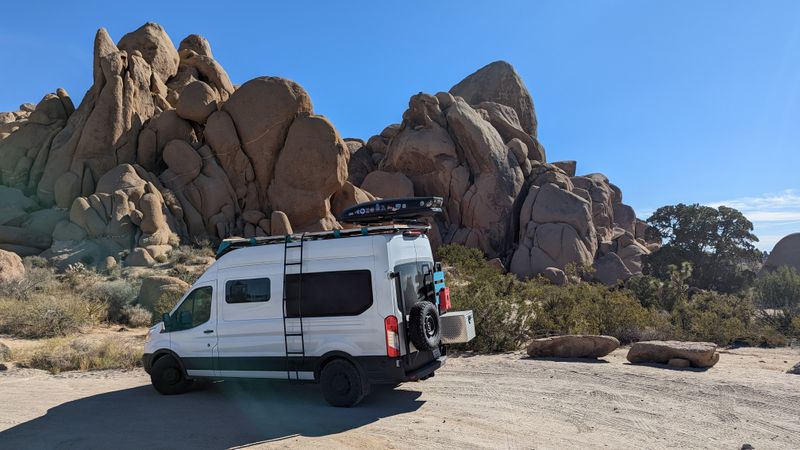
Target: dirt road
{"x": 500, "y": 401}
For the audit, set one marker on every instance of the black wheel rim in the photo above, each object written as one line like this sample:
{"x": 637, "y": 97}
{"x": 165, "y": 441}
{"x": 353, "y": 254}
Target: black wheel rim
{"x": 341, "y": 384}
{"x": 430, "y": 326}
{"x": 171, "y": 376}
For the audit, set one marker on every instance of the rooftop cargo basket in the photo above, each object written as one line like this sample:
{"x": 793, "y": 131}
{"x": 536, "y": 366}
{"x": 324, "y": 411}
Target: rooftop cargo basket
{"x": 407, "y": 210}
{"x": 403, "y": 215}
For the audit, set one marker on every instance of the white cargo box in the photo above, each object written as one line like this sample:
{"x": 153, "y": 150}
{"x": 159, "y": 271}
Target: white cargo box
{"x": 457, "y": 327}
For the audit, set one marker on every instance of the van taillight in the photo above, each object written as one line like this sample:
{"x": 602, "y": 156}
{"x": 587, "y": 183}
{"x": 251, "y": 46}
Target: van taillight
{"x": 392, "y": 337}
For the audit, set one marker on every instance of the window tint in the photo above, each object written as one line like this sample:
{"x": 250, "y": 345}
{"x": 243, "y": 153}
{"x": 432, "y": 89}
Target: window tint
{"x": 247, "y": 291}
{"x": 195, "y": 310}
{"x": 343, "y": 293}
{"x": 415, "y": 284}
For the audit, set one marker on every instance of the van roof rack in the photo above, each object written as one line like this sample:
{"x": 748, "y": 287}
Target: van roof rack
{"x": 402, "y": 214}
{"x": 231, "y": 244}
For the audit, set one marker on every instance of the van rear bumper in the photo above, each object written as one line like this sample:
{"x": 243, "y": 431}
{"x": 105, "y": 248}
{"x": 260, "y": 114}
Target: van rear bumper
{"x": 426, "y": 370}
{"x": 412, "y": 367}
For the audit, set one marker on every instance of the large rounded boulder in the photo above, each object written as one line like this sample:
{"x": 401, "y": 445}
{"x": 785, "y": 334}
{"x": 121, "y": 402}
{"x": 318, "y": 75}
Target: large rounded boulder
{"x": 785, "y": 253}
{"x": 499, "y": 82}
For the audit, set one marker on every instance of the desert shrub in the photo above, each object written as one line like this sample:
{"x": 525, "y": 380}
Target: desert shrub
{"x": 36, "y": 280}
{"x": 136, "y": 316}
{"x": 5, "y": 353}
{"x": 45, "y": 315}
{"x": 509, "y": 312}
{"x": 714, "y": 317}
{"x": 189, "y": 274}
{"x": 163, "y": 304}
{"x": 63, "y": 354}
{"x": 502, "y": 313}
{"x": 662, "y": 294}
{"x": 777, "y": 294}
{"x": 766, "y": 336}
{"x": 588, "y": 308}
{"x": 35, "y": 262}
{"x": 116, "y": 295}
{"x": 196, "y": 253}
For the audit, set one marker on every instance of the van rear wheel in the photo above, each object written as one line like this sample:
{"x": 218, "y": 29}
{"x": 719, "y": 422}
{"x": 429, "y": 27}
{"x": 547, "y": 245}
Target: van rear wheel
{"x": 168, "y": 377}
{"x": 342, "y": 384}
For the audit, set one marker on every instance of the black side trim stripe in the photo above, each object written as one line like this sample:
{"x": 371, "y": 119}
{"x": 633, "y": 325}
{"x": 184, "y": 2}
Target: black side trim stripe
{"x": 267, "y": 363}
{"x": 377, "y": 369}
{"x": 246, "y": 363}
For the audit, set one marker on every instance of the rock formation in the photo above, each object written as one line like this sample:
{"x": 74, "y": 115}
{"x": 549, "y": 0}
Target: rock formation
{"x": 479, "y": 152}
{"x": 785, "y": 253}
{"x": 165, "y": 148}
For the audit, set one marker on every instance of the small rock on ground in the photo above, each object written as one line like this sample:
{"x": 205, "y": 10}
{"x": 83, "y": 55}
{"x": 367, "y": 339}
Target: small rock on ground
{"x": 573, "y": 346}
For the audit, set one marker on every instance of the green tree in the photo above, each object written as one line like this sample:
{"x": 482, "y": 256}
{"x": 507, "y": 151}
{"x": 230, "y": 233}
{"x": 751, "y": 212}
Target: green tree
{"x": 718, "y": 242}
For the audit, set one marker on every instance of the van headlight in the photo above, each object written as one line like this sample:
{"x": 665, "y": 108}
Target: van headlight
{"x": 153, "y": 330}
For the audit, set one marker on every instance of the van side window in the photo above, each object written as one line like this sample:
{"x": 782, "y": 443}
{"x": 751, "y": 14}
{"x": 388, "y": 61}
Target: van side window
{"x": 247, "y": 291}
{"x": 195, "y": 309}
{"x": 324, "y": 294}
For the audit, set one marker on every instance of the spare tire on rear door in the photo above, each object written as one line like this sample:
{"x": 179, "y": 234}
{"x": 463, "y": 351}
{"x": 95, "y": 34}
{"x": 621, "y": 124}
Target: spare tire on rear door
{"x": 423, "y": 326}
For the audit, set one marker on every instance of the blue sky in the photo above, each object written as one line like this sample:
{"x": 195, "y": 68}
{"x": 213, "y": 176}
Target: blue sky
{"x": 679, "y": 101}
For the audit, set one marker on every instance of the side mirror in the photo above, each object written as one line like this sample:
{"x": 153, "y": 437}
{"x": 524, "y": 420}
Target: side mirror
{"x": 166, "y": 319}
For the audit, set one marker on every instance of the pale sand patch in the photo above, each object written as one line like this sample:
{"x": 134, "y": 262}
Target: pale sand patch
{"x": 497, "y": 401}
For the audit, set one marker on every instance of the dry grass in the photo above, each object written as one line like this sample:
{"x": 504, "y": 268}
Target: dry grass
{"x": 44, "y": 315}
{"x": 136, "y": 316}
{"x": 63, "y": 354}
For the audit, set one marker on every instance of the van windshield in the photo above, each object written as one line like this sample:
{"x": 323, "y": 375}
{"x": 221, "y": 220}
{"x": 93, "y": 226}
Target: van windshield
{"x": 416, "y": 283}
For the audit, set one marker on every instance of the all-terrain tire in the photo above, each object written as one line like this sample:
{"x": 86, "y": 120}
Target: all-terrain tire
{"x": 342, "y": 384}
{"x": 424, "y": 326}
{"x": 168, "y": 377}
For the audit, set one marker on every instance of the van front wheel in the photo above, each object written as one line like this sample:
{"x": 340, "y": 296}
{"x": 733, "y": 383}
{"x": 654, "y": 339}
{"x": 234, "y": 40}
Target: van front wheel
{"x": 342, "y": 384}
{"x": 168, "y": 377}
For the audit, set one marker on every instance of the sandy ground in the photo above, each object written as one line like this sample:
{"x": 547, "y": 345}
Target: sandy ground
{"x": 500, "y": 401}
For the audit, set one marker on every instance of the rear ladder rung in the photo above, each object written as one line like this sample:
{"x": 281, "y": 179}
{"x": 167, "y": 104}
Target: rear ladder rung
{"x": 293, "y": 357}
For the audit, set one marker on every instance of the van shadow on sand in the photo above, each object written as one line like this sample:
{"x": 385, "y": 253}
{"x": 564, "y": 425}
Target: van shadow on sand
{"x": 221, "y": 415}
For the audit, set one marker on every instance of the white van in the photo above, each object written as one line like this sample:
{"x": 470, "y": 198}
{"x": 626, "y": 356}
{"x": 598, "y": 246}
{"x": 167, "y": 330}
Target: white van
{"x": 345, "y": 308}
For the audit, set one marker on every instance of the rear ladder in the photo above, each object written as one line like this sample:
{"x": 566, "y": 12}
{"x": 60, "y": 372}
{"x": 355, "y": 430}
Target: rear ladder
{"x": 295, "y": 359}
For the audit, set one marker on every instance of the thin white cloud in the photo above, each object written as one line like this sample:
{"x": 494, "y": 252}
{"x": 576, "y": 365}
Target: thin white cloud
{"x": 788, "y": 200}
{"x": 774, "y": 215}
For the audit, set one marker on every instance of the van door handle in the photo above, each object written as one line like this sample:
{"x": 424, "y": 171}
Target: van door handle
{"x": 208, "y": 331}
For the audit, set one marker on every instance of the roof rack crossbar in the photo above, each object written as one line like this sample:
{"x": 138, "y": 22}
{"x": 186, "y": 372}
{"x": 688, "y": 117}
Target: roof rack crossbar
{"x": 231, "y": 244}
